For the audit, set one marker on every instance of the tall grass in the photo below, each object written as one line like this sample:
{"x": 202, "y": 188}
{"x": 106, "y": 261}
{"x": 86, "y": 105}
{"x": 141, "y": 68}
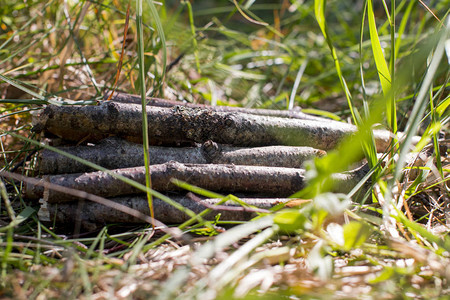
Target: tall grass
{"x": 143, "y": 93}
{"x": 377, "y": 66}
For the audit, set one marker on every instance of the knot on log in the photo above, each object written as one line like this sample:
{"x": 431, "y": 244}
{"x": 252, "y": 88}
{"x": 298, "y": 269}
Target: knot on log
{"x": 112, "y": 110}
{"x": 178, "y": 109}
{"x": 229, "y": 120}
{"x": 228, "y": 128}
{"x": 174, "y": 166}
{"x": 40, "y": 122}
{"x": 211, "y": 151}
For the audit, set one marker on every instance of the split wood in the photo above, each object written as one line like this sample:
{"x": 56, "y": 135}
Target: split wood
{"x": 266, "y": 181}
{"x": 178, "y": 124}
{"x": 294, "y": 114}
{"x": 114, "y": 153}
{"x": 93, "y": 214}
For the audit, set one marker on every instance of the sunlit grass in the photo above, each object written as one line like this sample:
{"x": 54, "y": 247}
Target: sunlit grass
{"x": 374, "y": 65}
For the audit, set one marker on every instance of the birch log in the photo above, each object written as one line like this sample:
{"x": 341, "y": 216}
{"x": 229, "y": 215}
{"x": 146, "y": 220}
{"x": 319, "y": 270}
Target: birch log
{"x": 178, "y": 124}
{"x": 114, "y": 153}
{"x": 267, "y": 181}
{"x": 95, "y": 213}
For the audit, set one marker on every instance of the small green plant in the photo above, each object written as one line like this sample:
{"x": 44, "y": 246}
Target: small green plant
{"x": 373, "y": 64}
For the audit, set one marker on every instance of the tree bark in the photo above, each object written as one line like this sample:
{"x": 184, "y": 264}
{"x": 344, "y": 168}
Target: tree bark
{"x": 178, "y": 124}
{"x": 266, "y": 181}
{"x": 93, "y": 215}
{"x": 114, "y": 153}
{"x": 293, "y": 114}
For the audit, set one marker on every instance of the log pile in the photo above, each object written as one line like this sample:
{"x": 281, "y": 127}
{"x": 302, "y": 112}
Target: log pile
{"x": 255, "y": 154}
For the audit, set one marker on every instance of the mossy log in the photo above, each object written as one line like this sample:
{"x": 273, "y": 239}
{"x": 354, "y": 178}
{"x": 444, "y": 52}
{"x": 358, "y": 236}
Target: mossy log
{"x": 266, "y": 181}
{"x": 179, "y": 124}
{"x": 114, "y": 153}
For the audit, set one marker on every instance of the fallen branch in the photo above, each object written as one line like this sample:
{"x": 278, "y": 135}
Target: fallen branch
{"x": 267, "y": 181}
{"x": 114, "y": 153}
{"x": 114, "y": 206}
{"x": 94, "y": 214}
{"x": 293, "y": 114}
{"x": 178, "y": 124}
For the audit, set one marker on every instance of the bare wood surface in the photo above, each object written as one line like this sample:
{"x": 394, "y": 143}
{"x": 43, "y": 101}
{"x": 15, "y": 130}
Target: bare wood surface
{"x": 294, "y": 114}
{"x": 114, "y": 153}
{"x": 179, "y": 124}
{"x": 267, "y": 181}
{"x": 96, "y": 213}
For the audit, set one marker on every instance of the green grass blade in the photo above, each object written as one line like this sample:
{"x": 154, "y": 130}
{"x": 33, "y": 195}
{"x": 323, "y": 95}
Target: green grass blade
{"x": 402, "y": 27}
{"x": 162, "y": 37}
{"x": 21, "y": 217}
{"x": 421, "y": 101}
{"x": 298, "y": 78}
{"x": 319, "y": 10}
{"x": 391, "y": 105}
{"x": 382, "y": 67}
{"x": 18, "y": 85}
{"x": 322, "y": 113}
{"x": 143, "y": 92}
{"x": 7, "y": 251}
{"x": 436, "y": 124}
{"x": 369, "y": 147}
{"x": 193, "y": 32}
{"x": 368, "y": 144}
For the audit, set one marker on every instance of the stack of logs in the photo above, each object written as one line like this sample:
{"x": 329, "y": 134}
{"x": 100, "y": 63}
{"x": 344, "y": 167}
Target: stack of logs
{"x": 257, "y": 155}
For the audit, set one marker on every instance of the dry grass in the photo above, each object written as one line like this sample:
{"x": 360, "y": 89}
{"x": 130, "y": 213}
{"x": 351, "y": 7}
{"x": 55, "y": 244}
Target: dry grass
{"x": 67, "y": 51}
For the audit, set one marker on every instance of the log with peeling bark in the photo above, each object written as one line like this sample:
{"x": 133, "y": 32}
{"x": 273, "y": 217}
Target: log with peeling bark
{"x": 114, "y": 153}
{"x": 267, "y": 181}
{"x": 294, "y": 114}
{"x": 92, "y": 215}
{"x": 178, "y": 124}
